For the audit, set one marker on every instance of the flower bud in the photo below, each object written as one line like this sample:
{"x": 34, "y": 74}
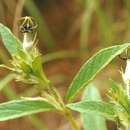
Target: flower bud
{"x": 27, "y": 41}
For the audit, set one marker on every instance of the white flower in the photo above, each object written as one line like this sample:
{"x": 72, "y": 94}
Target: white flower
{"x": 126, "y": 77}
{"x": 126, "y": 74}
{"x": 28, "y": 41}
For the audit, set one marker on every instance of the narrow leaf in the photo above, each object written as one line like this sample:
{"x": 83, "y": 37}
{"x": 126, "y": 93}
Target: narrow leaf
{"x": 37, "y": 66}
{"x": 12, "y": 44}
{"x": 100, "y": 107}
{"x": 92, "y": 67}
{"x": 92, "y": 121}
{"x": 18, "y": 108}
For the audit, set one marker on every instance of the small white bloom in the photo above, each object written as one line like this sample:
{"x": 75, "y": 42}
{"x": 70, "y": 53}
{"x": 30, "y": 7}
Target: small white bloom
{"x": 126, "y": 77}
{"x": 28, "y": 41}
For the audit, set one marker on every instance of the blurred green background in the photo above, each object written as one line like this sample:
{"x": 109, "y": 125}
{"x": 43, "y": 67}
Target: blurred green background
{"x": 69, "y": 32}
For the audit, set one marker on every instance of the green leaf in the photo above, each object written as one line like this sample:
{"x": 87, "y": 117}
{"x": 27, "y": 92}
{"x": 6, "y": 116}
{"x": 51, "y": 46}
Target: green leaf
{"x": 37, "y": 66}
{"x": 92, "y": 67}
{"x": 103, "y": 108}
{"x": 119, "y": 98}
{"x": 12, "y": 44}
{"x": 92, "y": 121}
{"x": 19, "y": 108}
{"x": 25, "y": 67}
{"x": 37, "y": 69}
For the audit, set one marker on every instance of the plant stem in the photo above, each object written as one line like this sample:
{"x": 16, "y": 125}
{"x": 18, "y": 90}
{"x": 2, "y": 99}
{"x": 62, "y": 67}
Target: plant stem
{"x": 71, "y": 120}
{"x": 66, "y": 112}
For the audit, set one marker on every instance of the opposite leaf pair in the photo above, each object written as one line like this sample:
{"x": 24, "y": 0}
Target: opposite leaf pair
{"x": 29, "y": 66}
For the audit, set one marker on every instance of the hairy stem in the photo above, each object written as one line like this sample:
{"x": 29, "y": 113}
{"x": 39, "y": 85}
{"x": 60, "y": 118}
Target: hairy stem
{"x": 71, "y": 120}
{"x": 54, "y": 96}
{"x": 52, "y": 91}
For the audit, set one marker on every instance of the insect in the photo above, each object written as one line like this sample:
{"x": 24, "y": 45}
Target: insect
{"x": 123, "y": 58}
{"x": 27, "y": 24}
{"x": 126, "y": 55}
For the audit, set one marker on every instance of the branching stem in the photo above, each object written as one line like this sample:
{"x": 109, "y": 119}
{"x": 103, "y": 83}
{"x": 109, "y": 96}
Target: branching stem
{"x": 58, "y": 99}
